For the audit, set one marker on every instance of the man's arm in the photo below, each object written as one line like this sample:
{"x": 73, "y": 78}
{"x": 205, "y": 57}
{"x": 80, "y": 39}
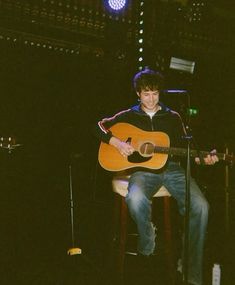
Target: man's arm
{"x": 124, "y": 148}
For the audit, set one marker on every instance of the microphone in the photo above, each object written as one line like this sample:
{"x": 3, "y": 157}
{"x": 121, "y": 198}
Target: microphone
{"x": 175, "y": 91}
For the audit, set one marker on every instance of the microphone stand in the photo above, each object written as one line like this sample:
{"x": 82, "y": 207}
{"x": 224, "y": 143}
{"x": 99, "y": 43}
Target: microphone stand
{"x": 73, "y": 250}
{"x": 227, "y": 221}
{"x": 189, "y": 138}
{"x": 187, "y": 212}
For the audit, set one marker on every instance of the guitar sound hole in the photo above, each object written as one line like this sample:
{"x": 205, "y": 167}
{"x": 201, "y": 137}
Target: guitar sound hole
{"x": 146, "y": 149}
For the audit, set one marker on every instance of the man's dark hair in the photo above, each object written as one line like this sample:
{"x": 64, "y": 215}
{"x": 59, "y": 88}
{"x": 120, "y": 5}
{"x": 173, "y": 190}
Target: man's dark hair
{"x": 148, "y": 79}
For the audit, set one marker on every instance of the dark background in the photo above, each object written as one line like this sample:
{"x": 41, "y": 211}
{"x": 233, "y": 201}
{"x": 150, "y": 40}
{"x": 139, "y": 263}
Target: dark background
{"x": 50, "y": 101}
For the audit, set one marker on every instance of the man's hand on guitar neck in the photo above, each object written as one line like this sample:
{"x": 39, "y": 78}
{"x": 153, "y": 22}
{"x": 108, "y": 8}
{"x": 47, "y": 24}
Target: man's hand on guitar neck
{"x": 124, "y": 148}
{"x": 210, "y": 159}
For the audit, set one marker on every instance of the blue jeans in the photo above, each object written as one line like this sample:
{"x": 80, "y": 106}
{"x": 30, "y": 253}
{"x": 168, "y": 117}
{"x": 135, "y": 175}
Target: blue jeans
{"x": 142, "y": 187}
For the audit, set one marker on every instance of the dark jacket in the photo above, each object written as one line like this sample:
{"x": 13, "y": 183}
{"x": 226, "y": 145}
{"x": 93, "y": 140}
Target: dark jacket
{"x": 165, "y": 120}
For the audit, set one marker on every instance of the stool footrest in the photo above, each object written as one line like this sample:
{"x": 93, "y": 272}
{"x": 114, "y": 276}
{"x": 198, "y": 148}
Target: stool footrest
{"x": 131, "y": 253}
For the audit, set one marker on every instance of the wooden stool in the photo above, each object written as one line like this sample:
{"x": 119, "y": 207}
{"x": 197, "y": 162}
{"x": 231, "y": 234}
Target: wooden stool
{"x": 119, "y": 186}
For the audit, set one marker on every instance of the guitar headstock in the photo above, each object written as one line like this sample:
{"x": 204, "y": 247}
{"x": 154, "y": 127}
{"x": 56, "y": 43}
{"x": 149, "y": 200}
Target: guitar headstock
{"x": 8, "y": 143}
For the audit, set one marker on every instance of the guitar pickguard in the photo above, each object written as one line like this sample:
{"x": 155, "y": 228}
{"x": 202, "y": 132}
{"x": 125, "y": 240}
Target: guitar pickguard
{"x": 137, "y": 158}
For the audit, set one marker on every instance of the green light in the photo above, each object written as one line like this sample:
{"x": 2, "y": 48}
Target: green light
{"x": 192, "y": 111}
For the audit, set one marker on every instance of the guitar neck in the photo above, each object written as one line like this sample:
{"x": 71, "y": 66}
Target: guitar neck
{"x": 183, "y": 152}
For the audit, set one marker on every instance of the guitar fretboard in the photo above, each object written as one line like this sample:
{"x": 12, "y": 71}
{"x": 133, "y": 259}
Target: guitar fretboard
{"x": 184, "y": 151}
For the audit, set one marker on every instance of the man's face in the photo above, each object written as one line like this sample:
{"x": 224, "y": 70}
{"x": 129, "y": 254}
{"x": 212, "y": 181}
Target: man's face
{"x": 149, "y": 100}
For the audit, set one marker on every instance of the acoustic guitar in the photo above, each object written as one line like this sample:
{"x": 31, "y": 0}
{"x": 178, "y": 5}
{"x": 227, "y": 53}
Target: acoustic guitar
{"x": 151, "y": 150}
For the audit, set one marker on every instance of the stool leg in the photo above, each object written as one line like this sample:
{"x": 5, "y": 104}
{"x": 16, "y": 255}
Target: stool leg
{"x": 169, "y": 251}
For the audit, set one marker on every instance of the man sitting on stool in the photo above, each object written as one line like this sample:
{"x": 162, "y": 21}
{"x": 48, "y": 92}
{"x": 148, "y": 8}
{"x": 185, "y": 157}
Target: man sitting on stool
{"x": 151, "y": 115}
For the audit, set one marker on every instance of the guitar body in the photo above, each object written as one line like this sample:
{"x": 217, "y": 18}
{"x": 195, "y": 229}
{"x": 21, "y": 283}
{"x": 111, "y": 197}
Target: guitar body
{"x": 143, "y": 142}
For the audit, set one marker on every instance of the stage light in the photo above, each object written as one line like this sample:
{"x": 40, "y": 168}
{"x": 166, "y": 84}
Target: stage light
{"x": 117, "y": 4}
{"x": 182, "y": 65}
{"x": 140, "y": 37}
